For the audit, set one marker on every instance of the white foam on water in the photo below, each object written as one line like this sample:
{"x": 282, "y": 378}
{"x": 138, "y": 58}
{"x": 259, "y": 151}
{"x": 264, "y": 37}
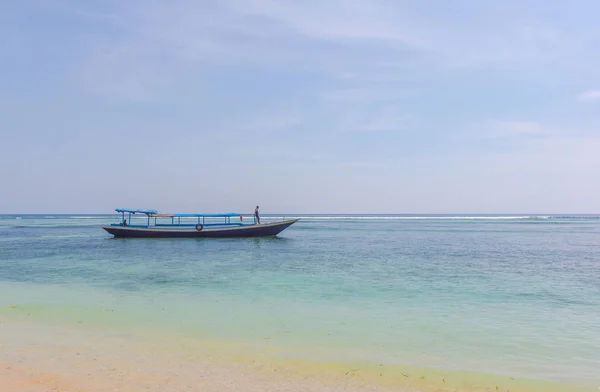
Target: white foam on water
{"x": 374, "y": 217}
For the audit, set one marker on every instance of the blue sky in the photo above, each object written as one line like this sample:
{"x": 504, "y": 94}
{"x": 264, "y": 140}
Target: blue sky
{"x": 300, "y": 106}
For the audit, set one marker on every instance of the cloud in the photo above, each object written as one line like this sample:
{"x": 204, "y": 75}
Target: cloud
{"x": 358, "y": 164}
{"x": 332, "y": 20}
{"x": 487, "y": 34}
{"x": 81, "y": 11}
{"x": 383, "y": 123}
{"x": 521, "y": 127}
{"x": 507, "y": 129}
{"x": 357, "y": 41}
{"x": 365, "y": 94}
{"x": 588, "y": 96}
{"x": 270, "y": 123}
{"x": 125, "y": 72}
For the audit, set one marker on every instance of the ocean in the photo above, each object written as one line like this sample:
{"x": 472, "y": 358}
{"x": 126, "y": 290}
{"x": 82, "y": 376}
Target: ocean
{"x": 514, "y": 297}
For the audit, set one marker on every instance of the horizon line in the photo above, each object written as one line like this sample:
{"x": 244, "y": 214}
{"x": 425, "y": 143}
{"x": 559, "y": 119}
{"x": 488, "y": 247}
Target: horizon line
{"x": 338, "y": 213}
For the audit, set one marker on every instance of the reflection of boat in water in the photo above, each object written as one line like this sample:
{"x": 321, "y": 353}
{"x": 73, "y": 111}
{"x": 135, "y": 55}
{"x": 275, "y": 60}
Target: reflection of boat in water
{"x": 155, "y": 225}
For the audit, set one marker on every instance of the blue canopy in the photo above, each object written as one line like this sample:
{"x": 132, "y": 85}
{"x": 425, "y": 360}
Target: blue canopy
{"x": 154, "y": 212}
{"x": 205, "y": 215}
{"x": 126, "y": 210}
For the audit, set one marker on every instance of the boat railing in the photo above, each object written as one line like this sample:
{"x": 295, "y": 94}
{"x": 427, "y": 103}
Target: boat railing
{"x": 151, "y": 218}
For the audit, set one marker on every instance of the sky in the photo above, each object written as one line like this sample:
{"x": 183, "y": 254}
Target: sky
{"x": 338, "y": 106}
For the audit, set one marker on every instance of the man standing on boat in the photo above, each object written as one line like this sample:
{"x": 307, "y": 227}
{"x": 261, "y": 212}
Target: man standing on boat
{"x": 256, "y": 215}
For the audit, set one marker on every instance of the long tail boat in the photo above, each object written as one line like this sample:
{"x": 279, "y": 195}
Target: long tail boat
{"x": 151, "y": 224}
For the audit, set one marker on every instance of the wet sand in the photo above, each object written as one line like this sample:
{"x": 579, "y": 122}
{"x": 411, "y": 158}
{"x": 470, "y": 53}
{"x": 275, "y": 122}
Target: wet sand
{"x": 36, "y": 358}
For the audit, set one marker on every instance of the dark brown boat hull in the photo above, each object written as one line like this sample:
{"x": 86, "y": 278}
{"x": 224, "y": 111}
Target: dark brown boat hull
{"x": 264, "y": 230}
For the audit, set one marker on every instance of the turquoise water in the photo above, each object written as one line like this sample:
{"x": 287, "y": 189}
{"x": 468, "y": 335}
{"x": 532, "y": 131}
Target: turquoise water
{"x": 517, "y": 296}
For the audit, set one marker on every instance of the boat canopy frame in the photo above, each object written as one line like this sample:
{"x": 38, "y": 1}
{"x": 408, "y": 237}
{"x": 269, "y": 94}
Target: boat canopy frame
{"x": 176, "y": 218}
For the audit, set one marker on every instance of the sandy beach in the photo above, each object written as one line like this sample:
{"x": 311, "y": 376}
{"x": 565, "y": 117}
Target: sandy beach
{"x": 40, "y": 358}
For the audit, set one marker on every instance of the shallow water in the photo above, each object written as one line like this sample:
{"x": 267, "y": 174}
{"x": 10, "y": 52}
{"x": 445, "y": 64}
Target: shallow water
{"x": 518, "y": 296}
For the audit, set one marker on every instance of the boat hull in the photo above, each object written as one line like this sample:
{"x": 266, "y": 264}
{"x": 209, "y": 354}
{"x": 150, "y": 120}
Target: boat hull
{"x": 263, "y": 230}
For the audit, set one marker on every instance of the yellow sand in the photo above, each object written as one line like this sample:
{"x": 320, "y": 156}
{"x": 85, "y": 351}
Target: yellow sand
{"x": 35, "y": 357}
